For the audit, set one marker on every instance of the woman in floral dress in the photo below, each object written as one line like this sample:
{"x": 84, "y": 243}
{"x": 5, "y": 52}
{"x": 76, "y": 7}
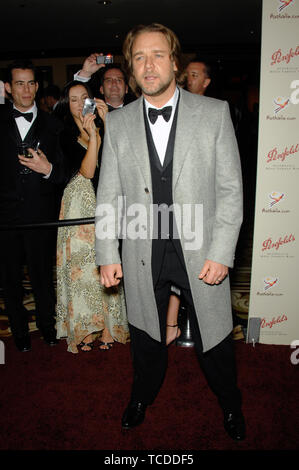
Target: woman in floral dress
{"x": 85, "y": 308}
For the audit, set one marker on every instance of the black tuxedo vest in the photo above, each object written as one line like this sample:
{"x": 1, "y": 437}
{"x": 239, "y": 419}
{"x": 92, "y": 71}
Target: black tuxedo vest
{"x": 164, "y": 222}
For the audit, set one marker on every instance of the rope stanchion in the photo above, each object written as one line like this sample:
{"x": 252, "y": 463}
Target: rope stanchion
{"x": 58, "y": 223}
{"x": 184, "y": 340}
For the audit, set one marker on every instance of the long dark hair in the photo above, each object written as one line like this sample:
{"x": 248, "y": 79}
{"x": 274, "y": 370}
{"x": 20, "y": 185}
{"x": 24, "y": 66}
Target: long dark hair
{"x": 70, "y": 132}
{"x": 64, "y": 105}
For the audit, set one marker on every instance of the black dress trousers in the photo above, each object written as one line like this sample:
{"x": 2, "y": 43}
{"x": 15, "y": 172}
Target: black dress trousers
{"x": 150, "y": 356}
{"x": 35, "y": 248}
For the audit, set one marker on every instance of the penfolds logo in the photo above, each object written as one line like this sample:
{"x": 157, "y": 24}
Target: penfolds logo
{"x": 280, "y": 103}
{"x": 270, "y": 282}
{"x": 274, "y": 154}
{"x": 284, "y": 4}
{"x": 282, "y": 10}
{"x": 278, "y": 57}
{"x": 270, "y": 245}
{"x": 275, "y": 197}
{"x": 274, "y": 321}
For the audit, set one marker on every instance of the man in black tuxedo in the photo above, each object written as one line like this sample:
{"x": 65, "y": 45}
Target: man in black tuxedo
{"x": 28, "y": 188}
{"x": 168, "y": 150}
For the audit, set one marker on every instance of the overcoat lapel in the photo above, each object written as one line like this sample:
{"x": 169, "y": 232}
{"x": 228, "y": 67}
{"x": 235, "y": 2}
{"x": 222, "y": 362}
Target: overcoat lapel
{"x": 186, "y": 127}
{"x": 136, "y": 129}
{"x": 185, "y": 131}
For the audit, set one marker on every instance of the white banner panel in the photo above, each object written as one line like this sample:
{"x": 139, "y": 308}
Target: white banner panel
{"x": 274, "y": 291}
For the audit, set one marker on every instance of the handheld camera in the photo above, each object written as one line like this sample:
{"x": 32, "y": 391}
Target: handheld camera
{"x": 89, "y": 106}
{"x": 105, "y": 59}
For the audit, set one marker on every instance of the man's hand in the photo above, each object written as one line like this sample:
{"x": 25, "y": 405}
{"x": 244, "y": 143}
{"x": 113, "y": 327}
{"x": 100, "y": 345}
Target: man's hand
{"x": 90, "y": 66}
{"x": 111, "y": 274}
{"x": 213, "y": 273}
{"x": 38, "y": 163}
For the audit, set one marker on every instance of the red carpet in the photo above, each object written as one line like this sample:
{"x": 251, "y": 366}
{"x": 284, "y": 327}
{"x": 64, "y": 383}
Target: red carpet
{"x": 53, "y": 400}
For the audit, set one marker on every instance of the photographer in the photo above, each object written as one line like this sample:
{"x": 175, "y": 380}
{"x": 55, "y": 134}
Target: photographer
{"x": 84, "y": 306}
{"x": 110, "y": 82}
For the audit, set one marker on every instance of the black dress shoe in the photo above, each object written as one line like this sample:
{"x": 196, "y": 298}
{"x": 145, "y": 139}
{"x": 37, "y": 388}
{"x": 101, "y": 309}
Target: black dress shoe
{"x": 134, "y": 415}
{"x": 23, "y": 344}
{"x": 234, "y": 424}
{"x": 50, "y": 337}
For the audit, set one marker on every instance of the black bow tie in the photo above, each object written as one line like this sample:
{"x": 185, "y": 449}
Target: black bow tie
{"x": 110, "y": 108}
{"x": 153, "y": 113}
{"x": 16, "y": 113}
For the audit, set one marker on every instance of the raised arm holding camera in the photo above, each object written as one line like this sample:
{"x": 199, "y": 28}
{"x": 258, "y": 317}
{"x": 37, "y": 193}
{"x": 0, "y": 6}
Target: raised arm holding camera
{"x": 111, "y": 82}
{"x": 90, "y": 66}
{"x": 84, "y": 306}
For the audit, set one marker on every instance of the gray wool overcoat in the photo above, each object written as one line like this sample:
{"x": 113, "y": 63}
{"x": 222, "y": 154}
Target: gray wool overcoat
{"x": 206, "y": 178}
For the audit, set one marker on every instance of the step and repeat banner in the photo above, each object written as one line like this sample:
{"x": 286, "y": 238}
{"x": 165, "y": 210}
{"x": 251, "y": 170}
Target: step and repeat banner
{"x": 274, "y": 293}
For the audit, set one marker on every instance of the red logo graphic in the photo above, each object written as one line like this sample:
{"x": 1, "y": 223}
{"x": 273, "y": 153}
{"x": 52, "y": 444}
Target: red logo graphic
{"x": 278, "y": 57}
{"x": 284, "y": 4}
{"x": 281, "y": 103}
{"x": 275, "y": 197}
{"x": 274, "y": 321}
{"x": 269, "y": 244}
{"x": 270, "y": 282}
{"x": 275, "y": 155}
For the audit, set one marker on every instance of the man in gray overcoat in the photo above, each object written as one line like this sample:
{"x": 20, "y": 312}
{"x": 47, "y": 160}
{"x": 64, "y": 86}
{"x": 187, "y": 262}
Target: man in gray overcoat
{"x": 170, "y": 187}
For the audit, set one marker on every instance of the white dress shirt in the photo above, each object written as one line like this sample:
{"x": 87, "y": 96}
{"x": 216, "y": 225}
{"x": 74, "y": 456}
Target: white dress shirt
{"x": 79, "y": 78}
{"x": 161, "y": 129}
{"x": 24, "y": 127}
{"x": 22, "y": 123}
{"x": 119, "y": 106}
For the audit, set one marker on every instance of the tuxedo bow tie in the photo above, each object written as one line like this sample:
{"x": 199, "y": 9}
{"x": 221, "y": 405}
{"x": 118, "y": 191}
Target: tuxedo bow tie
{"x": 153, "y": 113}
{"x": 28, "y": 116}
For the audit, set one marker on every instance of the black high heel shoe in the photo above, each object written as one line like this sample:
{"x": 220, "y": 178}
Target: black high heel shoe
{"x": 178, "y": 333}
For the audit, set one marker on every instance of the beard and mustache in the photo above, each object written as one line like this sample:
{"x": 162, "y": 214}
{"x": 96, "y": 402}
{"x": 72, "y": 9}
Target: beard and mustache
{"x": 157, "y": 89}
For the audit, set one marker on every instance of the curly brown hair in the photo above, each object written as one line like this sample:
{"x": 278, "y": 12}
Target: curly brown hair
{"x": 174, "y": 46}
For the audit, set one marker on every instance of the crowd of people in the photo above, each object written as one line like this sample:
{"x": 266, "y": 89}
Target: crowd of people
{"x": 83, "y": 307}
{"x": 53, "y": 165}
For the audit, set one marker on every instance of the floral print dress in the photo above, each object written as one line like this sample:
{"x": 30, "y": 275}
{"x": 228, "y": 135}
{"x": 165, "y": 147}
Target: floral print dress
{"x": 84, "y": 306}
